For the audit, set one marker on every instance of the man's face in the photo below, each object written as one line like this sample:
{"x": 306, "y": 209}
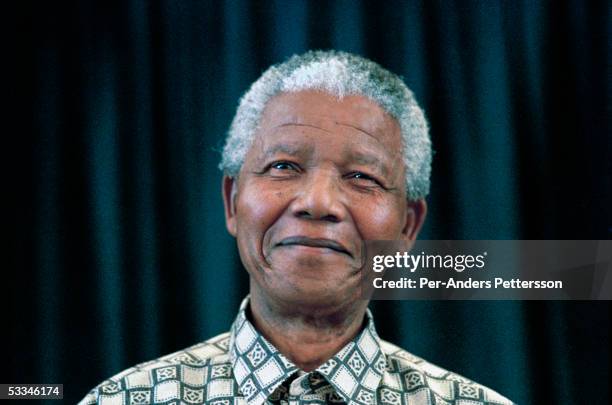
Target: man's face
{"x": 322, "y": 176}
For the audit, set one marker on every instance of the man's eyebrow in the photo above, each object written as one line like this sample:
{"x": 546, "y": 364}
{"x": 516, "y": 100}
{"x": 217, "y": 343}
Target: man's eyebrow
{"x": 285, "y": 148}
{"x": 369, "y": 160}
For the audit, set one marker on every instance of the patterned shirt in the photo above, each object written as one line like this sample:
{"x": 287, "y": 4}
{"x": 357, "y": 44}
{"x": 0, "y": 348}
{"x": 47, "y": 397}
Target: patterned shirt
{"x": 242, "y": 368}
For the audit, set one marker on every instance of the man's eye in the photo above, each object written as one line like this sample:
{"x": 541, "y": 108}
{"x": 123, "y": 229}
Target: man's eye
{"x": 364, "y": 177}
{"x": 283, "y": 166}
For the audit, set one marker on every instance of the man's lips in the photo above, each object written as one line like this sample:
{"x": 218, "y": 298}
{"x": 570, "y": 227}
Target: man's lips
{"x": 314, "y": 242}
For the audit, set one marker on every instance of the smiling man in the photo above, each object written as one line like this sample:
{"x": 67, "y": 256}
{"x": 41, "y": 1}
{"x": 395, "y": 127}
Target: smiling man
{"x": 326, "y": 151}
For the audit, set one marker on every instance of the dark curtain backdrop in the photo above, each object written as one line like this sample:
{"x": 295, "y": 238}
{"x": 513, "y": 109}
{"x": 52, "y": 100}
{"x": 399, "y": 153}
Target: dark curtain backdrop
{"x": 118, "y": 251}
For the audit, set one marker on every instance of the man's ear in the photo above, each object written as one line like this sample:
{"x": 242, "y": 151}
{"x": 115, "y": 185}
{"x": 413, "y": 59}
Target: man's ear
{"x": 415, "y": 217}
{"x": 229, "y": 188}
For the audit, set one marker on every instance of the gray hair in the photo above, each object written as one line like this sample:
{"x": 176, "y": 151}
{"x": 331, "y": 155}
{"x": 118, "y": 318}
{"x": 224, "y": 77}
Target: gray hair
{"x": 340, "y": 74}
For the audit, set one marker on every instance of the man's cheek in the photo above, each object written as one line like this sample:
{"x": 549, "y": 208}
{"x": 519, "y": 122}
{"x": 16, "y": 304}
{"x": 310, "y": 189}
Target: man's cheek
{"x": 381, "y": 224}
{"x": 253, "y": 209}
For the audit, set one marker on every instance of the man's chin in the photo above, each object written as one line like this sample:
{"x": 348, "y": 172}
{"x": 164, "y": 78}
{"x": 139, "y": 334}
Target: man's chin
{"x": 318, "y": 286}
{"x": 318, "y": 295}
{"x": 321, "y": 282}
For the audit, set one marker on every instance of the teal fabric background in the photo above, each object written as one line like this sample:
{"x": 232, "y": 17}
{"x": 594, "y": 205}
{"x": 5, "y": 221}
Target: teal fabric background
{"x": 118, "y": 251}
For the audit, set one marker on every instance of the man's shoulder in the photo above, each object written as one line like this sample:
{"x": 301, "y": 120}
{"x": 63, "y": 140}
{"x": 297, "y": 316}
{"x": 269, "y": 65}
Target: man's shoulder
{"x": 160, "y": 380}
{"x": 412, "y": 373}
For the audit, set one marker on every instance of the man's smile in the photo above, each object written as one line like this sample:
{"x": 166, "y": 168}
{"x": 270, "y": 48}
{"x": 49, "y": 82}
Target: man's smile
{"x": 315, "y": 243}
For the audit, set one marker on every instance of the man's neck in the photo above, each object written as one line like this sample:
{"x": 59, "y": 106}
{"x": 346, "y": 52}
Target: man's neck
{"x": 307, "y": 337}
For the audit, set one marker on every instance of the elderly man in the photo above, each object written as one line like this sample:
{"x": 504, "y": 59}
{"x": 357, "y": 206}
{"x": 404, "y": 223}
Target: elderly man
{"x": 326, "y": 151}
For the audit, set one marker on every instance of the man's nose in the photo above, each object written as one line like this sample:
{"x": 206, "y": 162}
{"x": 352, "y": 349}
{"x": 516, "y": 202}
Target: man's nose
{"x": 320, "y": 198}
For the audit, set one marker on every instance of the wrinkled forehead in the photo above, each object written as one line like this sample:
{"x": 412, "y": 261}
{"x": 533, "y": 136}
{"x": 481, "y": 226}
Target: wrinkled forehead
{"x": 321, "y": 108}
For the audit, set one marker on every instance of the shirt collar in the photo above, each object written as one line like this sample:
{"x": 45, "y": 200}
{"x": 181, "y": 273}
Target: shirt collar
{"x": 259, "y": 368}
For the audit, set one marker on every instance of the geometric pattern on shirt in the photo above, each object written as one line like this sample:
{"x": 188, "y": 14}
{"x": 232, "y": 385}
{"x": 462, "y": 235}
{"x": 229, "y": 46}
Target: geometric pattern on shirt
{"x": 354, "y": 372}
{"x": 242, "y": 367}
